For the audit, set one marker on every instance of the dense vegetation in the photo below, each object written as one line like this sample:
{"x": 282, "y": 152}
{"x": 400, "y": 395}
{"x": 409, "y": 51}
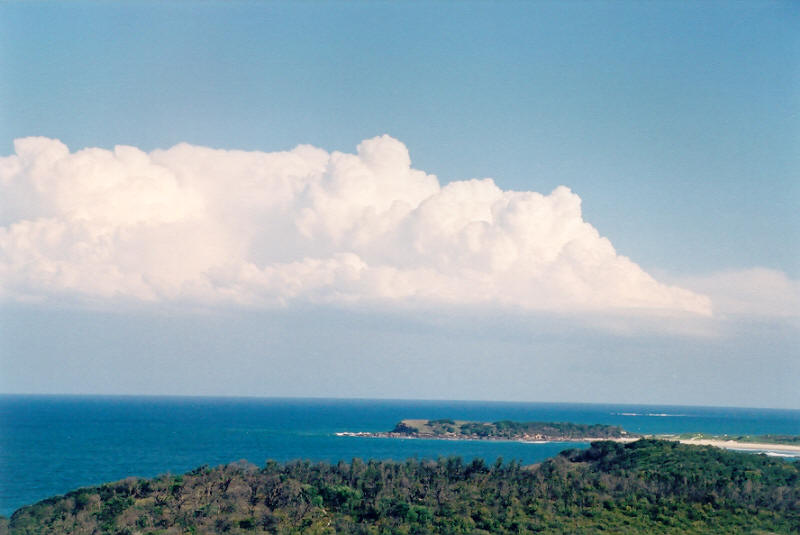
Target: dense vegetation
{"x": 507, "y": 429}
{"x": 648, "y": 486}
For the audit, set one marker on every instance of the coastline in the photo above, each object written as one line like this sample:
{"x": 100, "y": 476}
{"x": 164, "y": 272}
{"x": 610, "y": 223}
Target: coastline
{"x": 404, "y": 436}
{"x": 724, "y": 444}
{"x": 734, "y": 445}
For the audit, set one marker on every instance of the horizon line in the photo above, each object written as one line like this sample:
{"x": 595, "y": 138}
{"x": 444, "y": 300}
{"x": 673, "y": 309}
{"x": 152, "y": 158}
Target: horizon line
{"x": 363, "y": 398}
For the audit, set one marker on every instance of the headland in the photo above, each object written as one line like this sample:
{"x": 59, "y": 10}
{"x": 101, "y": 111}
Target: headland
{"x": 540, "y": 432}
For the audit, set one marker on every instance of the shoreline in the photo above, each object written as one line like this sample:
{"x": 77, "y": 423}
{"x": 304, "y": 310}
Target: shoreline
{"x": 734, "y": 445}
{"x": 724, "y": 444}
{"x": 403, "y": 436}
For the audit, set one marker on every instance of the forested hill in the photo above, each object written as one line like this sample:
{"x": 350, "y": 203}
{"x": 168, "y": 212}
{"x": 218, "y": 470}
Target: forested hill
{"x": 506, "y": 430}
{"x": 648, "y": 486}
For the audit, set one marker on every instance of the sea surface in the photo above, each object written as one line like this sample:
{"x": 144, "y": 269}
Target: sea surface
{"x": 52, "y": 444}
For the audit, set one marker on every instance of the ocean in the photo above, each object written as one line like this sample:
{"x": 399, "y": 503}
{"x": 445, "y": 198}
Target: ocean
{"x": 52, "y": 444}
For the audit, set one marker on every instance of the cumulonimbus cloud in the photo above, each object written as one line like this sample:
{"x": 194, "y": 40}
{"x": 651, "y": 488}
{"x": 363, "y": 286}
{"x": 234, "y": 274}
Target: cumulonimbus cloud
{"x": 196, "y": 224}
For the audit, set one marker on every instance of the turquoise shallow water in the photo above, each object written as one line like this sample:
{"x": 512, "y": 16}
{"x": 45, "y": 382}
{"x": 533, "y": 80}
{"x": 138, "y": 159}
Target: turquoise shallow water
{"x": 52, "y": 444}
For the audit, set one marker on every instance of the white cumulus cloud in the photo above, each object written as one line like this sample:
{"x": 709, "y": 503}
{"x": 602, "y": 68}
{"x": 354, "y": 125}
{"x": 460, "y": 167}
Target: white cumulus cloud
{"x": 194, "y": 224}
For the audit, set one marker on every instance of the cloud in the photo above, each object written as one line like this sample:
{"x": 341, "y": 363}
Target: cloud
{"x": 755, "y": 292}
{"x": 199, "y": 225}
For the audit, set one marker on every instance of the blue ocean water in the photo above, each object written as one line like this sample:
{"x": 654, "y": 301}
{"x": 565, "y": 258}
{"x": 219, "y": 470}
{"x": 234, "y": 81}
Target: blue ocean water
{"x": 52, "y": 444}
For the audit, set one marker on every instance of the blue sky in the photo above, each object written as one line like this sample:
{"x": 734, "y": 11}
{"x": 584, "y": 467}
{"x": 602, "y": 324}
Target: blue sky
{"x": 677, "y": 125}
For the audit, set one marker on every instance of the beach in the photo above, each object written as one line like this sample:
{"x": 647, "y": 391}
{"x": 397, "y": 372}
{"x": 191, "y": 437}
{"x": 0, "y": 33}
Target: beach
{"x": 734, "y": 445}
{"x": 790, "y": 449}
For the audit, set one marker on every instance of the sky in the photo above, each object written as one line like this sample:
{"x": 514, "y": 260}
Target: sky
{"x": 533, "y": 201}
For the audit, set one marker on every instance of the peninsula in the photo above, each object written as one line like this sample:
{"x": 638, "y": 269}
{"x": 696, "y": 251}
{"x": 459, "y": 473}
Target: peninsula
{"x": 503, "y": 430}
{"x": 448, "y": 429}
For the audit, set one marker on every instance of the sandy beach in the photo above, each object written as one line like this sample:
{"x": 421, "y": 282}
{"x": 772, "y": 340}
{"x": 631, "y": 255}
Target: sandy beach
{"x": 734, "y": 445}
{"x": 790, "y": 449}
